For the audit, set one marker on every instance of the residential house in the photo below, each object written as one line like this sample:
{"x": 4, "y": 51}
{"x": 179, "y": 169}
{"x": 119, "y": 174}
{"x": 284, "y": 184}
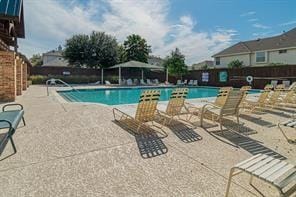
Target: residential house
{"x": 203, "y": 64}
{"x": 279, "y": 49}
{"x": 54, "y": 58}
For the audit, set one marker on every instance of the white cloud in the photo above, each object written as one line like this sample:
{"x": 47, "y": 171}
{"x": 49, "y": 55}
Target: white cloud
{"x": 253, "y": 19}
{"x": 260, "y": 26}
{"x": 49, "y": 23}
{"x": 288, "y": 23}
{"x": 250, "y": 13}
{"x": 262, "y": 34}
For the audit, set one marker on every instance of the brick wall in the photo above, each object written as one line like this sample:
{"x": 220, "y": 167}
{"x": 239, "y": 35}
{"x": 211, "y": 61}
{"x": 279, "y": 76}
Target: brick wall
{"x": 19, "y": 76}
{"x": 7, "y": 76}
{"x": 25, "y": 76}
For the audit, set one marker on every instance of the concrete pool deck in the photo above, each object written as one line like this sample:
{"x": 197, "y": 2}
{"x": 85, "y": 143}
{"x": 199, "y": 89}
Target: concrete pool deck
{"x": 75, "y": 149}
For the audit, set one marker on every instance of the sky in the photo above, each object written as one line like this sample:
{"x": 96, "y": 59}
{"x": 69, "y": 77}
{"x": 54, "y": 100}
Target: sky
{"x": 199, "y": 28}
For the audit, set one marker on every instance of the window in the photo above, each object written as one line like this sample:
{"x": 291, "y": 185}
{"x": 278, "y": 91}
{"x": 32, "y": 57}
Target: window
{"x": 282, "y": 51}
{"x": 261, "y": 57}
{"x": 217, "y": 59}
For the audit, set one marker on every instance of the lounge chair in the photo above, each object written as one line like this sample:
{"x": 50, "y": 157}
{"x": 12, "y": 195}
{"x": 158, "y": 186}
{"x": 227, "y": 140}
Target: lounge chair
{"x": 156, "y": 81}
{"x": 195, "y": 82}
{"x": 185, "y": 82}
{"x": 268, "y": 87}
{"x": 142, "y": 82}
{"x": 222, "y": 95}
{"x": 245, "y": 89}
{"x": 289, "y": 123}
{"x": 136, "y": 81}
{"x": 229, "y": 108}
{"x": 275, "y": 172}
{"x": 286, "y": 84}
{"x": 149, "y": 82}
{"x": 280, "y": 87}
{"x": 129, "y": 82}
{"x": 107, "y": 82}
{"x": 289, "y": 98}
{"x": 146, "y": 111}
{"x": 179, "y": 82}
{"x": 274, "y": 83}
{"x": 259, "y": 104}
{"x": 190, "y": 82}
{"x": 292, "y": 86}
{"x": 175, "y": 105}
{"x": 10, "y": 119}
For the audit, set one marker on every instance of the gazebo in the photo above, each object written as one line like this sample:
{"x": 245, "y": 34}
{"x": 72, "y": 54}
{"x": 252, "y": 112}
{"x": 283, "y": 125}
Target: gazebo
{"x": 134, "y": 64}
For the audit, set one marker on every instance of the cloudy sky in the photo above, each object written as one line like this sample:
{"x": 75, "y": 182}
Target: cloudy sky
{"x": 199, "y": 28}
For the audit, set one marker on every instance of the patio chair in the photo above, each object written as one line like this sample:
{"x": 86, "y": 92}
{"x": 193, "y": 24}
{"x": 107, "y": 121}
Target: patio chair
{"x": 129, "y": 82}
{"x": 259, "y": 104}
{"x": 289, "y": 98}
{"x": 292, "y": 86}
{"x": 190, "y": 82}
{"x": 179, "y": 82}
{"x": 245, "y": 89}
{"x": 229, "y": 108}
{"x": 277, "y": 173}
{"x": 291, "y": 123}
{"x": 136, "y": 81}
{"x": 10, "y": 119}
{"x": 195, "y": 82}
{"x": 156, "y": 81}
{"x": 222, "y": 95}
{"x": 268, "y": 87}
{"x": 185, "y": 82}
{"x": 286, "y": 83}
{"x": 274, "y": 83}
{"x": 107, "y": 82}
{"x": 274, "y": 99}
{"x": 142, "y": 82}
{"x": 280, "y": 87}
{"x": 175, "y": 105}
{"x": 146, "y": 111}
{"x": 149, "y": 82}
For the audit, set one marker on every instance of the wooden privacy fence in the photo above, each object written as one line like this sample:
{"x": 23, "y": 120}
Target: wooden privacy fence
{"x": 211, "y": 77}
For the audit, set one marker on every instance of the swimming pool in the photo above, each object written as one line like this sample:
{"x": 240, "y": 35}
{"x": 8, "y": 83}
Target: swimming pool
{"x": 117, "y": 96}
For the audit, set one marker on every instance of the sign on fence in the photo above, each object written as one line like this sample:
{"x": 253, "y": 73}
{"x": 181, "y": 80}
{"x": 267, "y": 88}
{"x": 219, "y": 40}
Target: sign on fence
{"x": 205, "y": 77}
{"x": 223, "y": 76}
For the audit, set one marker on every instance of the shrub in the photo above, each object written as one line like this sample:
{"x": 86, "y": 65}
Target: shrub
{"x": 73, "y": 79}
{"x": 235, "y": 64}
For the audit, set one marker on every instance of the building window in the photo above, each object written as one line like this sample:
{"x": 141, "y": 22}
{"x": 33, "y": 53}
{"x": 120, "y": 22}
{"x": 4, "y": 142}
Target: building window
{"x": 261, "y": 57}
{"x": 282, "y": 51}
{"x": 217, "y": 59}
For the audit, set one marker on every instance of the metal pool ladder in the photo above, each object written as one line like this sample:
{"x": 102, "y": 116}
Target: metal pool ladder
{"x": 53, "y": 81}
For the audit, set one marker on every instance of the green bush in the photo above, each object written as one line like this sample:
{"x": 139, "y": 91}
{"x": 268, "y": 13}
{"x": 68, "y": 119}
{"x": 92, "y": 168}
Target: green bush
{"x": 235, "y": 64}
{"x": 73, "y": 79}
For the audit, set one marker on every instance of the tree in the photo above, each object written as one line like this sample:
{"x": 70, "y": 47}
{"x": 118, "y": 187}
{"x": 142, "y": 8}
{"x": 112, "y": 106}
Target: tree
{"x": 235, "y": 64}
{"x": 121, "y": 54}
{"x": 36, "y": 60}
{"x": 176, "y": 63}
{"x": 136, "y": 48}
{"x": 77, "y": 50}
{"x": 95, "y": 50}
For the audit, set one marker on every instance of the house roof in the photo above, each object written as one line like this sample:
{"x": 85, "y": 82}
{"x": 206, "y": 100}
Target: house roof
{"x": 59, "y": 62}
{"x": 285, "y": 40}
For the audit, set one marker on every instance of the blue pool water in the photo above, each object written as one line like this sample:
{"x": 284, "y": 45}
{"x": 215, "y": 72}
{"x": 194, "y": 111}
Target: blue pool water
{"x": 117, "y": 96}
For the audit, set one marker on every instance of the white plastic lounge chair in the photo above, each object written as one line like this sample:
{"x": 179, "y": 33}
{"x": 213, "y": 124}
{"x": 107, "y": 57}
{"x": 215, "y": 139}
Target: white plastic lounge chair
{"x": 190, "y": 82}
{"x": 292, "y": 86}
{"x": 107, "y": 82}
{"x": 185, "y": 82}
{"x": 156, "y": 81}
{"x": 179, "y": 82}
{"x": 149, "y": 82}
{"x": 286, "y": 83}
{"x": 289, "y": 123}
{"x": 123, "y": 82}
{"x": 274, "y": 83}
{"x": 136, "y": 81}
{"x": 129, "y": 82}
{"x": 275, "y": 172}
{"x": 195, "y": 83}
{"x": 142, "y": 82}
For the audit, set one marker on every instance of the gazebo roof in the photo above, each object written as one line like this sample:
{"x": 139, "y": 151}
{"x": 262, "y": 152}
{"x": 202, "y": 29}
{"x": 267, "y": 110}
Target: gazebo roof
{"x": 135, "y": 64}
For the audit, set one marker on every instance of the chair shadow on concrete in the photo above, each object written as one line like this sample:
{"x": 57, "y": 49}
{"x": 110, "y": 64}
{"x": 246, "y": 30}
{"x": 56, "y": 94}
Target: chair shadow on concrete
{"x": 257, "y": 120}
{"x": 183, "y": 130}
{"x": 252, "y": 146}
{"x": 150, "y": 144}
{"x": 2, "y": 135}
{"x": 277, "y": 113}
